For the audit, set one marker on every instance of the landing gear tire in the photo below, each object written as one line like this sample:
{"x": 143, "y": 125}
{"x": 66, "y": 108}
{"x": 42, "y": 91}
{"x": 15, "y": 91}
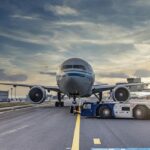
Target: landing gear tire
{"x": 140, "y": 112}
{"x": 71, "y": 109}
{"x": 59, "y": 104}
{"x": 62, "y": 104}
{"x": 105, "y": 112}
{"x": 56, "y": 104}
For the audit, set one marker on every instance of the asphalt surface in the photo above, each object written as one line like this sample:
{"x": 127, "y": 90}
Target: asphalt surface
{"x": 114, "y": 133}
{"x": 49, "y": 128}
{"x": 37, "y": 129}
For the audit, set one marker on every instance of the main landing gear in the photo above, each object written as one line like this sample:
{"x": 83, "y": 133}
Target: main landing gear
{"x": 99, "y": 96}
{"x": 59, "y": 103}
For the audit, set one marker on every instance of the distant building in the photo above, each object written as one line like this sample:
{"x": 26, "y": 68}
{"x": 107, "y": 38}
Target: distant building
{"x": 4, "y": 96}
{"x": 134, "y": 80}
{"x": 136, "y": 87}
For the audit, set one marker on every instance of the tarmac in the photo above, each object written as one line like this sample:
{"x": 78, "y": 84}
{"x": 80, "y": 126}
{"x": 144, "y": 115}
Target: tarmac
{"x": 50, "y": 128}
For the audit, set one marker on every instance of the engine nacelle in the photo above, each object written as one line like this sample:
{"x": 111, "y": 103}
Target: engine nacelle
{"x": 121, "y": 93}
{"x": 37, "y": 94}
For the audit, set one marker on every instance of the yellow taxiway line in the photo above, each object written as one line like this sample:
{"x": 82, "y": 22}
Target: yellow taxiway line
{"x": 76, "y": 137}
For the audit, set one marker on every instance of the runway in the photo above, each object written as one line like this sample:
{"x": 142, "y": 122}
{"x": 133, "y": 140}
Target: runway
{"x": 50, "y": 128}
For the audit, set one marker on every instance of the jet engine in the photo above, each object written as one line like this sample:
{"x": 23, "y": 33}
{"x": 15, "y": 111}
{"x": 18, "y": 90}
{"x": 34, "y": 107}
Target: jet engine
{"x": 121, "y": 93}
{"x": 37, "y": 94}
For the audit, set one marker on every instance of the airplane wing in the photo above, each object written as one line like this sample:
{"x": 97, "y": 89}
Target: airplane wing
{"x": 49, "y": 88}
{"x": 106, "y": 87}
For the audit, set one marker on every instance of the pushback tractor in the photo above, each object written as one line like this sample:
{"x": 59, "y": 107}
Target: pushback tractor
{"x": 138, "y": 109}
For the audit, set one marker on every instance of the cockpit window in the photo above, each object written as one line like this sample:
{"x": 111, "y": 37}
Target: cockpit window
{"x": 73, "y": 67}
{"x": 79, "y": 67}
{"x": 66, "y": 67}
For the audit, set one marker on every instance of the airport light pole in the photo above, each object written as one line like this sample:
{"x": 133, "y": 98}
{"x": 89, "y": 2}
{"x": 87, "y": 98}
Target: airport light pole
{"x": 11, "y": 90}
{"x": 15, "y": 92}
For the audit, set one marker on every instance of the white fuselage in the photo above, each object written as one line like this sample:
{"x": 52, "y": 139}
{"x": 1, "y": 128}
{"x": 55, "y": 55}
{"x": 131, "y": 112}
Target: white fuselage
{"x": 75, "y": 77}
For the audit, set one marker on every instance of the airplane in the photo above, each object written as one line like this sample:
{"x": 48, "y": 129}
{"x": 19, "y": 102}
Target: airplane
{"x": 75, "y": 79}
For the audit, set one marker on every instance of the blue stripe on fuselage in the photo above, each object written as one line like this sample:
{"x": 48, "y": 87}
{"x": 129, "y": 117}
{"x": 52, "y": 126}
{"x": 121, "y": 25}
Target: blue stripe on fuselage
{"x": 76, "y": 71}
{"x": 78, "y": 74}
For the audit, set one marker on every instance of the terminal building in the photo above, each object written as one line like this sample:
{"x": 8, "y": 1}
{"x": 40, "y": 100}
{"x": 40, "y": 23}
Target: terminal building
{"x": 4, "y": 96}
{"x": 136, "y": 87}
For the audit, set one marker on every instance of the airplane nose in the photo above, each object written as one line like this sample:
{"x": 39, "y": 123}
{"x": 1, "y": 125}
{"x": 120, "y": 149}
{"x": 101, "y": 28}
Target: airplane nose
{"x": 72, "y": 85}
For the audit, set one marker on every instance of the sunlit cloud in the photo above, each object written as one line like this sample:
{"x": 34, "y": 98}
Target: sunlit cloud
{"x": 61, "y": 10}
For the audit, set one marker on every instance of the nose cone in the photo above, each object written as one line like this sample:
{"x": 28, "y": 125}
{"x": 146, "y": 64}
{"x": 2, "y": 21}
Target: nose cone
{"x": 72, "y": 85}
{"x": 75, "y": 83}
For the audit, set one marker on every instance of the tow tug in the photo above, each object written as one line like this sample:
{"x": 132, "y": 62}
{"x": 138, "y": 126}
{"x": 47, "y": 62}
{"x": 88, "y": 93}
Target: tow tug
{"x": 133, "y": 108}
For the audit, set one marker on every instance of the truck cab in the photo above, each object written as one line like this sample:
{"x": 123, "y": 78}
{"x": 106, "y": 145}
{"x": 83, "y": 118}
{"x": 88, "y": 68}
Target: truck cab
{"x": 88, "y": 109}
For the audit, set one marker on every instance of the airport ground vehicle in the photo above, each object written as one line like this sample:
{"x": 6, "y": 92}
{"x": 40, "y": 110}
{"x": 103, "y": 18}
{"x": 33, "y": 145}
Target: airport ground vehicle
{"x": 139, "y": 109}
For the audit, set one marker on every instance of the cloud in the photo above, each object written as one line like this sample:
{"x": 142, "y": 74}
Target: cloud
{"x": 12, "y": 77}
{"x": 48, "y": 73}
{"x": 62, "y": 10}
{"x": 113, "y": 75}
{"x": 111, "y": 35}
{"x": 142, "y": 73}
{"x": 26, "y": 37}
{"x": 25, "y": 17}
{"x": 145, "y": 3}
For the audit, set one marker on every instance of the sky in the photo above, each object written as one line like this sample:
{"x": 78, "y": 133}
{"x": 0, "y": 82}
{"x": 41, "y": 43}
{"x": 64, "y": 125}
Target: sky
{"x": 37, "y": 36}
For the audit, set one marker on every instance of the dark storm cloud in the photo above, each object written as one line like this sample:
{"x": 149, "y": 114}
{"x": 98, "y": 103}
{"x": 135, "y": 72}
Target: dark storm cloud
{"x": 16, "y": 77}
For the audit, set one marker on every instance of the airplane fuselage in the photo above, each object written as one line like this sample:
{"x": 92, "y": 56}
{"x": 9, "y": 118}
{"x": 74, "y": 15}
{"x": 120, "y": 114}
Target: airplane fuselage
{"x": 75, "y": 77}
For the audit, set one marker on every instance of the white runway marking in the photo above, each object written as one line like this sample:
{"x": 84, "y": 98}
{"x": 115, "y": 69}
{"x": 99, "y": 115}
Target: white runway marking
{"x": 13, "y": 130}
{"x": 96, "y": 141}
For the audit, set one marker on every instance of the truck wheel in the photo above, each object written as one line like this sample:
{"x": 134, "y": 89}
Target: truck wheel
{"x": 62, "y": 104}
{"x": 140, "y": 112}
{"x": 105, "y": 112}
{"x": 56, "y": 104}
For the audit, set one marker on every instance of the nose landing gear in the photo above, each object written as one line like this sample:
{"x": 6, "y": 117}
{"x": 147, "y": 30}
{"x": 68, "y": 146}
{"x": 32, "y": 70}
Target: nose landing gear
{"x": 59, "y": 104}
{"x": 74, "y": 108}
